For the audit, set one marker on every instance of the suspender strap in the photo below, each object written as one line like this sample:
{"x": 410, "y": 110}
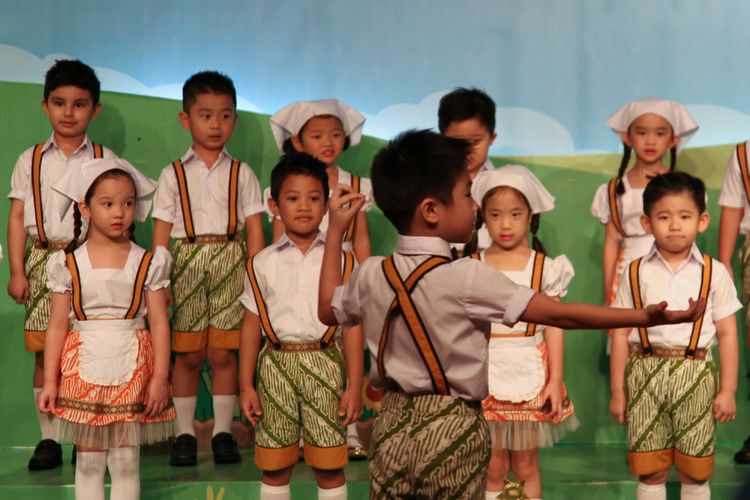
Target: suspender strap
{"x": 187, "y": 215}
{"x": 614, "y": 213}
{"x": 265, "y": 321}
{"x": 635, "y": 291}
{"x": 140, "y": 281}
{"x": 36, "y": 187}
{"x": 347, "y": 271}
{"x": 742, "y": 159}
{"x": 98, "y": 150}
{"x": 536, "y": 285}
{"x": 76, "y": 282}
{"x": 349, "y": 234}
{"x": 414, "y": 323}
{"x": 698, "y": 324}
{"x": 234, "y": 176}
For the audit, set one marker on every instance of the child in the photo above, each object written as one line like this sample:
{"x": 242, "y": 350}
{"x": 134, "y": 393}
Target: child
{"x": 469, "y": 114}
{"x": 651, "y": 128}
{"x": 71, "y": 101}
{"x": 105, "y": 380}
{"x": 430, "y": 439}
{"x": 735, "y": 206}
{"x": 301, "y": 383}
{"x": 668, "y": 382}
{"x": 325, "y": 129}
{"x": 202, "y": 201}
{"x": 527, "y": 407}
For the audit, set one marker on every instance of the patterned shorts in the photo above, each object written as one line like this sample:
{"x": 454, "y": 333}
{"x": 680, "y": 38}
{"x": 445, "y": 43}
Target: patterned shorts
{"x": 38, "y": 305}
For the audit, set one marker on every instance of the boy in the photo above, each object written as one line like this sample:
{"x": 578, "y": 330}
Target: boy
{"x": 666, "y": 387}
{"x": 71, "y": 101}
{"x": 300, "y": 369}
{"x": 735, "y": 206}
{"x": 430, "y": 439}
{"x": 201, "y": 202}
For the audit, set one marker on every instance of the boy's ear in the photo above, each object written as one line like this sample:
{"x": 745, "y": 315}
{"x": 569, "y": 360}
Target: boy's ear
{"x": 492, "y": 138}
{"x": 97, "y": 109}
{"x": 274, "y": 207}
{"x": 184, "y": 120}
{"x": 297, "y": 143}
{"x": 45, "y": 108}
{"x": 646, "y": 223}
{"x": 625, "y": 139}
{"x": 428, "y": 211}
{"x": 703, "y": 221}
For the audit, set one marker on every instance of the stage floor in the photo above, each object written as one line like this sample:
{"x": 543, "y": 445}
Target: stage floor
{"x": 569, "y": 472}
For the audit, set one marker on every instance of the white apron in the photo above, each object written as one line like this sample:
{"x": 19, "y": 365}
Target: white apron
{"x": 108, "y": 352}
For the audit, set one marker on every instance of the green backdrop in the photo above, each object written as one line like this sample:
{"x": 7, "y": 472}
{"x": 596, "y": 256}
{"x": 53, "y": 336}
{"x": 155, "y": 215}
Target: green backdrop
{"x": 146, "y": 131}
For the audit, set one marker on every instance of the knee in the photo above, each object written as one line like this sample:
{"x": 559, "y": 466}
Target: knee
{"x": 499, "y": 466}
{"x": 655, "y": 478}
{"x": 328, "y": 479}
{"x": 221, "y": 359}
{"x": 277, "y": 477}
{"x": 525, "y": 464}
{"x": 190, "y": 361}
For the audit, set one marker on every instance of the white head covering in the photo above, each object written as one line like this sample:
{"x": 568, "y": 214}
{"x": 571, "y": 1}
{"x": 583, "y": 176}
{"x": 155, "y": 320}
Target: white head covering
{"x": 674, "y": 112}
{"x": 72, "y": 186}
{"x": 290, "y": 120}
{"x": 519, "y": 178}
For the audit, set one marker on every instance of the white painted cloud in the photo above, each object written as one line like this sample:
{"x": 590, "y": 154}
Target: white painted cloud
{"x": 718, "y": 125}
{"x": 17, "y": 65}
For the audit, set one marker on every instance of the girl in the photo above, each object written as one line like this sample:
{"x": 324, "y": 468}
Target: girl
{"x": 651, "y": 128}
{"x": 105, "y": 380}
{"x": 527, "y": 407}
{"x": 324, "y": 129}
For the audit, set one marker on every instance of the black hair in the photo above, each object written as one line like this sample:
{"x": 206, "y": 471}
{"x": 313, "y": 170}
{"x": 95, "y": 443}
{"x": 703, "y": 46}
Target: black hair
{"x": 464, "y": 104}
{"x": 674, "y": 183}
{"x": 72, "y": 72}
{"x": 78, "y": 224}
{"x": 206, "y": 82}
{"x": 296, "y": 163}
{"x": 415, "y": 165}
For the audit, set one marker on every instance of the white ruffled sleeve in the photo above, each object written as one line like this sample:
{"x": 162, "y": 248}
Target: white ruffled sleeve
{"x": 158, "y": 272}
{"x": 600, "y": 205}
{"x": 556, "y": 276}
{"x": 365, "y": 187}
{"x": 58, "y": 275}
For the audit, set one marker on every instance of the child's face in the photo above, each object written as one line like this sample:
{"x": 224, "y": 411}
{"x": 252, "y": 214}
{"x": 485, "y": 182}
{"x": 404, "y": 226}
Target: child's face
{"x": 210, "y": 120}
{"x": 111, "y": 209}
{"x": 675, "y": 222}
{"x": 69, "y": 110}
{"x": 507, "y": 216}
{"x": 300, "y": 206}
{"x": 322, "y": 137}
{"x": 474, "y": 132}
{"x": 650, "y": 135}
{"x": 457, "y": 219}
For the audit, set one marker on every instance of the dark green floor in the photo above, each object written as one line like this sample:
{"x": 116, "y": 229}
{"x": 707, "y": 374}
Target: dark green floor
{"x": 569, "y": 472}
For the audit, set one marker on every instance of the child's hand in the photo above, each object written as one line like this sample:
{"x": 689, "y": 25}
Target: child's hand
{"x": 250, "y": 405}
{"x": 343, "y": 206}
{"x": 618, "y": 407}
{"x": 552, "y": 397}
{"x": 350, "y": 408}
{"x": 725, "y": 407}
{"x": 658, "y": 314}
{"x": 157, "y": 397}
{"x": 18, "y": 288}
{"x": 47, "y": 399}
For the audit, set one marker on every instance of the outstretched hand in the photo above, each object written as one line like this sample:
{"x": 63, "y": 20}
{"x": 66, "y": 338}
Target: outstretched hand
{"x": 343, "y": 205}
{"x": 658, "y": 314}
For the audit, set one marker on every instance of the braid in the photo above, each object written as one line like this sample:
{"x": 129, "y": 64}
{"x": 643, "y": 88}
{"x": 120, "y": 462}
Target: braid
{"x": 534, "y": 226}
{"x": 673, "y": 158}
{"x": 131, "y": 232}
{"x": 473, "y": 245}
{"x": 77, "y": 224}
{"x": 623, "y": 166}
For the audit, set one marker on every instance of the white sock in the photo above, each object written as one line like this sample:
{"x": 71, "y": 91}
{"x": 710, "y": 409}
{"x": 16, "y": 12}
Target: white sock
{"x": 268, "y": 492}
{"x": 491, "y": 495}
{"x": 45, "y": 419}
{"x": 695, "y": 491}
{"x": 90, "y": 469}
{"x": 185, "y": 408}
{"x": 125, "y": 471}
{"x": 338, "y": 493}
{"x": 651, "y": 491}
{"x": 223, "y": 413}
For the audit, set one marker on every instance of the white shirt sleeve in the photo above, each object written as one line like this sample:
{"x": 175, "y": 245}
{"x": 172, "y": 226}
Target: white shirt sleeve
{"x": 250, "y": 198}
{"x": 166, "y": 197}
{"x": 624, "y": 297}
{"x": 732, "y": 190}
{"x": 556, "y": 276}
{"x": 347, "y": 302}
{"x": 489, "y": 295}
{"x": 724, "y": 300}
{"x": 158, "y": 272}
{"x": 19, "y": 181}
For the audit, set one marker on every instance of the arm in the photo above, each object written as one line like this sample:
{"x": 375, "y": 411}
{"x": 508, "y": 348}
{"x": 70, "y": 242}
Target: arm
{"x": 361, "y": 238}
{"x": 57, "y": 329}
{"x": 254, "y": 234}
{"x": 277, "y": 228}
{"x": 729, "y": 228}
{"x": 351, "y": 401}
{"x": 617, "y": 361}
{"x": 18, "y": 285}
{"x": 162, "y": 230}
{"x": 555, "y": 340}
{"x": 157, "y": 393}
{"x": 609, "y": 259}
{"x": 725, "y": 408}
{"x": 250, "y": 337}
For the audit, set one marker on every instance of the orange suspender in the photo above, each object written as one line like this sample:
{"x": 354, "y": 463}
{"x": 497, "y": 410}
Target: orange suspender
{"x": 36, "y": 186}
{"x": 98, "y": 150}
{"x": 349, "y": 234}
{"x": 742, "y": 159}
{"x": 76, "y": 282}
{"x": 536, "y": 285}
{"x": 404, "y": 305}
{"x": 614, "y": 213}
{"x": 234, "y": 178}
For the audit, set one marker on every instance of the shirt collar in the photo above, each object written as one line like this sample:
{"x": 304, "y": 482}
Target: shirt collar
{"x": 695, "y": 254}
{"x": 191, "y": 155}
{"x": 284, "y": 241}
{"x": 487, "y": 165}
{"x": 52, "y": 142}
{"x": 422, "y": 245}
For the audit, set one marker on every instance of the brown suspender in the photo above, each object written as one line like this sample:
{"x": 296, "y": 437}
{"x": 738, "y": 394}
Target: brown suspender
{"x": 635, "y": 290}
{"x": 349, "y": 234}
{"x": 187, "y": 214}
{"x": 76, "y": 282}
{"x": 613, "y": 211}
{"x": 403, "y": 304}
{"x": 742, "y": 159}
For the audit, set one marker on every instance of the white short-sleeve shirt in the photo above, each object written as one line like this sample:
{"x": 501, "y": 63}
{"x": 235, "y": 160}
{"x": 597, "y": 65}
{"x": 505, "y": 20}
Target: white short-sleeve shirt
{"x": 733, "y": 191}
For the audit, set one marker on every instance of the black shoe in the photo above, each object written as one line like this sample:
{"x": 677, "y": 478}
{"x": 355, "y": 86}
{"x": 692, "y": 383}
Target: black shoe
{"x": 73, "y": 456}
{"x": 743, "y": 456}
{"x": 225, "y": 449}
{"x": 184, "y": 451}
{"x": 47, "y": 455}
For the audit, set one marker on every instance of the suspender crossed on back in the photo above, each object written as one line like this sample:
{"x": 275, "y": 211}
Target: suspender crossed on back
{"x": 742, "y": 159}
{"x": 265, "y": 320}
{"x": 36, "y": 186}
{"x": 403, "y": 304}
{"x": 187, "y": 214}
{"x": 136, "y": 300}
{"x": 613, "y": 211}
{"x": 349, "y": 234}
{"x": 536, "y": 282}
{"x": 635, "y": 290}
